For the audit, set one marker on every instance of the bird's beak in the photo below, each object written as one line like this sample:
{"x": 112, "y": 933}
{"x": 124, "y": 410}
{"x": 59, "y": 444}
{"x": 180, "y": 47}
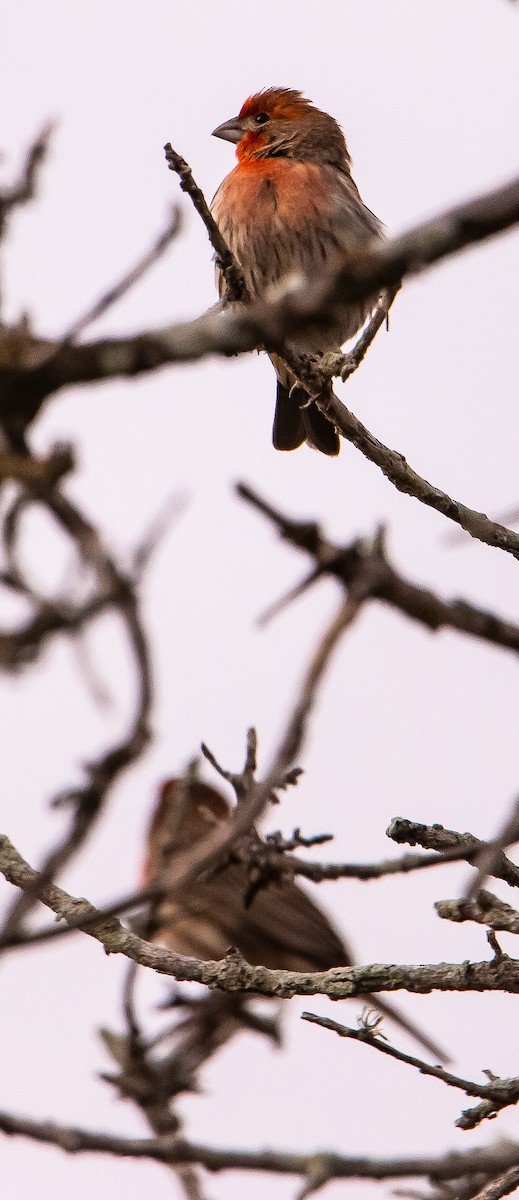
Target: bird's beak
{"x": 230, "y": 131}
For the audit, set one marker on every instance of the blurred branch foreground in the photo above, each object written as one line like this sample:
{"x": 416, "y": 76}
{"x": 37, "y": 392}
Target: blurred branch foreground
{"x": 154, "y": 1070}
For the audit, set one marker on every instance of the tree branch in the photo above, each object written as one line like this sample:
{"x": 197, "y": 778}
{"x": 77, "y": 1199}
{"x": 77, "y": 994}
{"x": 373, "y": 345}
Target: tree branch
{"x": 234, "y": 974}
{"x": 25, "y": 188}
{"x": 230, "y": 268}
{"x": 367, "y": 557}
{"x": 452, "y": 1165}
{"x": 498, "y": 1094}
{"x": 435, "y": 837}
{"x": 484, "y": 909}
{"x": 241, "y": 328}
{"x": 116, "y": 588}
{"x": 501, "y": 1186}
{"x": 215, "y": 847}
{"x": 268, "y": 859}
{"x": 128, "y": 280}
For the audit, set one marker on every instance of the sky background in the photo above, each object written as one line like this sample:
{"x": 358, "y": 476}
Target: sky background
{"x": 409, "y": 723}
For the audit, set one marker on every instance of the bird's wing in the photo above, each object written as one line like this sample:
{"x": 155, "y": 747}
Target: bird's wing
{"x": 281, "y": 928}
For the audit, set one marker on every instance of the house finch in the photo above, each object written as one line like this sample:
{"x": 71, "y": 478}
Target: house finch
{"x": 291, "y": 206}
{"x": 281, "y": 928}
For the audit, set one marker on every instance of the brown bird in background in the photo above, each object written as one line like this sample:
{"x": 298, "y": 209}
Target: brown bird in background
{"x": 281, "y": 928}
{"x": 291, "y": 208}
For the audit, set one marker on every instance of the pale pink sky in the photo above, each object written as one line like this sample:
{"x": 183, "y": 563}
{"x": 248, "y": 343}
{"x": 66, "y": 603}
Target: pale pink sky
{"x": 409, "y": 723}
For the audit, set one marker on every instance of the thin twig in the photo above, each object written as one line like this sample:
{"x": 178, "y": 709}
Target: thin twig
{"x": 173, "y": 508}
{"x": 127, "y": 281}
{"x": 498, "y": 1094}
{"x": 25, "y": 188}
{"x": 24, "y": 645}
{"x": 87, "y": 800}
{"x": 281, "y": 864}
{"x": 230, "y": 269}
{"x": 344, "y": 365}
{"x": 508, "y": 835}
{"x": 367, "y": 558}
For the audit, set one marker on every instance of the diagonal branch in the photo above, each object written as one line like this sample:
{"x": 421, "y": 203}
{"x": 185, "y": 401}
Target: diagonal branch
{"x": 268, "y": 859}
{"x": 226, "y": 261}
{"x": 128, "y": 280}
{"x": 367, "y": 557}
{"x": 384, "y": 265}
{"x": 496, "y": 1095}
{"x": 501, "y": 1185}
{"x": 314, "y": 373}
{"x": 234, "y": 974}
{"x": 508, "y": 835}
{"x": 405, "y": 479}
{"x": 241, "y": 328}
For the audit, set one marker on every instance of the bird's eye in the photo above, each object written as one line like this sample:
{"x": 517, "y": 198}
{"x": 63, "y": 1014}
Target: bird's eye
{"x": 261, "y": 118}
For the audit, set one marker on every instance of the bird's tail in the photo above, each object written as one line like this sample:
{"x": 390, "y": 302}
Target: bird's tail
{"x": 294, "y": 423}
